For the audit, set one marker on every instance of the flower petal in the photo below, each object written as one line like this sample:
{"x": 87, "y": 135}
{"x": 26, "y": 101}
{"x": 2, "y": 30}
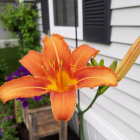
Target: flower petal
{"x": 95, "y": 76}
{"x": 56, "y": 53}
{"x": 81, "y": 56}
{"x": 63, "y": 104}
{"x": 128, "y": 60}
{"x": 33, "y": 62}
{"x": 24, "y": 87}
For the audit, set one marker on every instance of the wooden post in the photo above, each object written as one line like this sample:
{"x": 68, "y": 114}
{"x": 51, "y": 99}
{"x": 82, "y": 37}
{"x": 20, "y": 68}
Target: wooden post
{"x": 63, "y": 130}
{"x": 16, "y": 112}
{"x": 34, "y": 125}
{"x": 30, "y": 126}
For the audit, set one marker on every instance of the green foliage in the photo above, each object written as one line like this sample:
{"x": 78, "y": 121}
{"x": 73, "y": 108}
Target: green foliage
{"x": 20, "y": 21}
{"x": 19, "y": 112}
{"x": 8, "y": 107}
{"x": 11, "y": 59}
{"x": 3, "y": 70}
{"x": 43, "y": 102}
{"x": 7, "y": 124}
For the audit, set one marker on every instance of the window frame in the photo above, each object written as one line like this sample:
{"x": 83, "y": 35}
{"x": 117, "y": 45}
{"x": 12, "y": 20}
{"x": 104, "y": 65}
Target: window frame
{"x": 68, "y": 32}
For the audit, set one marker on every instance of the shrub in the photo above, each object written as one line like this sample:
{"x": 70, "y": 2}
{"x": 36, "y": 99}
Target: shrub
{"x": 3, "y": 69}
{"x": 20, "y": 21}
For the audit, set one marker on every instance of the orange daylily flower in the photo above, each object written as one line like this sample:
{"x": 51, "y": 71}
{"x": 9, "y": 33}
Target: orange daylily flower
{"x": 128, "y": 60}
{"x": 59, "y": 71}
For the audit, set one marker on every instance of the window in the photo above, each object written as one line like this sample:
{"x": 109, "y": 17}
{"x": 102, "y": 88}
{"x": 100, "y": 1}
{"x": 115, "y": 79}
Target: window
{"x": 62, "y": 20}
{"x": 93, "y": 19}
{"x": 64, "y": 12}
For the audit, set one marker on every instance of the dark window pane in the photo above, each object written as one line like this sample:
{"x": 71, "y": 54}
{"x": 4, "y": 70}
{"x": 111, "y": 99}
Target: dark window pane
{"x": 64, "y": 12}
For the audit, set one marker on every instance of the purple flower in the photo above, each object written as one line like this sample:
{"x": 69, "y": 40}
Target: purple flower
{"x": 21, "y": 99}
{"x": 48, "y": 94}
{"x": 11, "y": 117}
{"x": 6, "y": 117}
{"x": 22, "y": 71}
{"x": 2, "y": 120}
{"x": 34, "y": 7}
{"x": 16, "y": 74}
{"x": 14, "y": 126}
{"x": 37, "y": 98}
{"x": 15, "y": 6}
{"x": 25, "y": 73}
{"x": 3, "y": 112}
{"x": 2, "y": 130}
{"x": 25, "y": 104}
{"x": 9, "y": 78}
{"x": 2, "y": 134}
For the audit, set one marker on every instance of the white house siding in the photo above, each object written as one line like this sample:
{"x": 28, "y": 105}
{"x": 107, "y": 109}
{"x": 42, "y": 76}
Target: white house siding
{"x": 5, "y": 34}
{"x": 116, "y": 114}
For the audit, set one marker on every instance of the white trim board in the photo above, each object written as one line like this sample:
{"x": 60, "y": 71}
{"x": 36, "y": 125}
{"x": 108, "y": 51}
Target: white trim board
{"x": 38, "y": 6}
{"x": 10, "y": 40}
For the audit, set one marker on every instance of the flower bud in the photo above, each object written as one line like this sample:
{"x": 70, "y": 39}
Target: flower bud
{"x": 113, "y": 65}
{"x": 102, "y": 62}
{"x": 128, "y": 60}
{"x": 93, "y": 62}
{"x": 88, "y": 64}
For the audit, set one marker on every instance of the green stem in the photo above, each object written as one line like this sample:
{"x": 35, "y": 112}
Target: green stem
{"x": 81, "y": 113}
{"x": 81, "y": 126}
{"x": 78, "y": 108}
{"x": 81, "y": 122}
{"x": 104, "y": 89}
{"x": 96, "y": 96}
{"x": 99, "y": 92}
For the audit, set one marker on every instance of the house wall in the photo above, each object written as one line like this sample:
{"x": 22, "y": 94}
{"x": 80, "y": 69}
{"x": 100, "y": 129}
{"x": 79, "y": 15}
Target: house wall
{"x": 116, "y": 114}
{"x": 5, "y": 34}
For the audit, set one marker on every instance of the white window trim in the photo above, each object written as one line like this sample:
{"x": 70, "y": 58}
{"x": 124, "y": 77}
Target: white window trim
{"x": 68, "y": 32}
